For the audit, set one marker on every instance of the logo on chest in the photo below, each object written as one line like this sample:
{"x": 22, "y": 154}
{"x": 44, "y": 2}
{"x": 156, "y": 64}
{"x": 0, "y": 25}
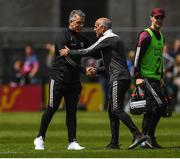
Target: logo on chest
{"x": 76, "y": 43}
{"x": 81, "y": 44}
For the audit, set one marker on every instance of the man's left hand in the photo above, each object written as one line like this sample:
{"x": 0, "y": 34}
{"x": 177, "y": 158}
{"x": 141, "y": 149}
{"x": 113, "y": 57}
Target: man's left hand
{"x": 64, "y": 52}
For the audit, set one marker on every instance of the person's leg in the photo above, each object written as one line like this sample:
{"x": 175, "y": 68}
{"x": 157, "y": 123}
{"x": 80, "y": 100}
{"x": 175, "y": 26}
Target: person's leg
{"x": 114, "y": 125}
{"x": 55, "y": 96}
{"x": 149, "y": 127}
{"x": 151, "y": 133}
{"x": 151, "y": 119}
{"x": 72, "y": 94}
{"x": 146, "y": 122}
{"x": 156, "y": 109}
{"x": 119, "y": 90}
{"x": 156, "y": 118}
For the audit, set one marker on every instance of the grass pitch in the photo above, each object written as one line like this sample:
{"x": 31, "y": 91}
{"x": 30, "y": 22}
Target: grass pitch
{"x": 18, "y": 130}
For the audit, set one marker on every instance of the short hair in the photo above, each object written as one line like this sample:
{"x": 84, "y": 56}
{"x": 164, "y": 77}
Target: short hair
{"x": 106, "y": 23}
{"x": 73, "y": 14}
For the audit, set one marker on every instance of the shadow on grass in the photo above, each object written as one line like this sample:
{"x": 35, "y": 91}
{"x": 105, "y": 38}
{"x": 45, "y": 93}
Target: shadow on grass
{"x": 171, "y": 147}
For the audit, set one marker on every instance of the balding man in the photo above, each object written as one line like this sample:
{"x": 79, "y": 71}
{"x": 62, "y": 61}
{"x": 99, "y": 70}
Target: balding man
{"x": 111, "y": 49}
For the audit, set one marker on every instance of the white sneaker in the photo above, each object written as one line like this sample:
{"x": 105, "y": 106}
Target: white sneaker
{"x": 39, "y": 143}
{"x": 75, "y": 146}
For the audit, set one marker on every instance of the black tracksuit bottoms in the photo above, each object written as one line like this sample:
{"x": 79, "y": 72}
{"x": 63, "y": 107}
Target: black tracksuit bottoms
{"x": 151, "y": 119}
{"x": 118, "y": 90}
{"x": 71, "y": 93}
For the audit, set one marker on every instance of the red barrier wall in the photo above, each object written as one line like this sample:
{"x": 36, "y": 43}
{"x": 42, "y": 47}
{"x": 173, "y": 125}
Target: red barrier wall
{"x": 23, "y": 98}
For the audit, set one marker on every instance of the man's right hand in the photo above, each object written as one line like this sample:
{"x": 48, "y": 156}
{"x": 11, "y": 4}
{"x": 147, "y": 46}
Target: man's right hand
{"x": 139, "y": 81}
{"x": 90, "y": 71}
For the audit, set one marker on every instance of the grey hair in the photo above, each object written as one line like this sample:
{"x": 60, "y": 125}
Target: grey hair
{"x": 106, "y": 23}
{"x": 74, "y": 13}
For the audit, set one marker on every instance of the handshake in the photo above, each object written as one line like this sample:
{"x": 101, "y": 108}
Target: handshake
{"x": 90, "y": 71}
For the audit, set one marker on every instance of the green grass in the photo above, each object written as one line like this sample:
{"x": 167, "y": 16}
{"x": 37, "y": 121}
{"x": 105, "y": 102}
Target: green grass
{"x": 18, "y": 130}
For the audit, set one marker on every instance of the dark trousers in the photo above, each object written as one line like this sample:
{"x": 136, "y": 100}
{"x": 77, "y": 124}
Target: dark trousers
{"x": 71, "y": 94}
{"x": 117, "y": 91}
{"x": 151, "y": 118}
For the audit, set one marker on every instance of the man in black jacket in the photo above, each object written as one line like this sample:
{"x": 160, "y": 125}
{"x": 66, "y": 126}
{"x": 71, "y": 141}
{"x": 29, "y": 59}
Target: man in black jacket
{"x": 65, "y": 80}
{"x": 111, "y": 48}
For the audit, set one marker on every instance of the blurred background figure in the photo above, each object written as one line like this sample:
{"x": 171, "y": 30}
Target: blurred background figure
{"x": 18, "y": 78}
{"x": 130, "y": 64}
{"x": 176, "y": 48}
{"x": 30, "y": 66}
{"x": 176, "y": 81}
{"x": 50, "y": 55}
{"x": 168, "y": 58}
{"x": 168, "y": 69}
{"x": 130, "y": 61}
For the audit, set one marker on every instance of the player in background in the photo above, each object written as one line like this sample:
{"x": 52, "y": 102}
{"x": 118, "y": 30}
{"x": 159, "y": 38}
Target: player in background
{"x": 149, "y": 64}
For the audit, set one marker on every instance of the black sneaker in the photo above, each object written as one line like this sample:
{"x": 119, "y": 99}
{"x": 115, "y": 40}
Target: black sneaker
{"x": 112, "y": 146}
{"x": 138, "y": 139}
{"x": 150, "y": 143}
{"x": 146, "y": 145}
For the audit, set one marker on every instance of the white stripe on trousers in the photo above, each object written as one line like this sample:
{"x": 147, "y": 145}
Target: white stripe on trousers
{"x": 137, "y": 56}
{"x": 51, "y": 93}
{"x": 114, "y": 95}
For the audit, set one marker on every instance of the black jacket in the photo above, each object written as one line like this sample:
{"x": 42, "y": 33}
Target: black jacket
{"x": 63, "y": 69}
{"x": 111, "y": 49}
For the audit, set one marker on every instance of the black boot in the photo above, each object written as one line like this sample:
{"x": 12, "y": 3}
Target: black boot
{"x": 114, "y": 142}
{"x": 112, "y": 146}
{"x": 154, "y": 143}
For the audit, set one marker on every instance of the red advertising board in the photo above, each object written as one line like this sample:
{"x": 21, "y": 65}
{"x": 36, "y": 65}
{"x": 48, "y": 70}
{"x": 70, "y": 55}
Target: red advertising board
{"x": 91, "y": 98}
{"x": 22, "y": 98}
